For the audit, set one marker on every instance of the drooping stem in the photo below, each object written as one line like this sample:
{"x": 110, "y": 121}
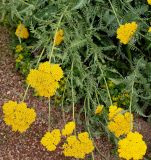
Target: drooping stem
{"x": 25, "y": 94}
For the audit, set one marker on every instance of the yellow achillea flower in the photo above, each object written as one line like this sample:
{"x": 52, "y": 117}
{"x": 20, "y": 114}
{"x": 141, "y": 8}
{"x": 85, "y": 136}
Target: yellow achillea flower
{"x": 99, "y": 109}
{"x": 79, "y": 146}
{"x": 22, "y": 31}
{"x": 18, "y": 116}
{"x": 68, "y": 129}
{"x": 54, "y": 69}
{"x": 132, "y": 147}
{"x": 126, "y": 31}
{"x": 149, "y": 2}
{"x": 45, "y": 79}
{"x": 121, "y": 124}
{"x": 113, "y": 111}
{"x": 51, "y": 139}
{"x": 59, "y": 36}
{"x": 19, "y": 48}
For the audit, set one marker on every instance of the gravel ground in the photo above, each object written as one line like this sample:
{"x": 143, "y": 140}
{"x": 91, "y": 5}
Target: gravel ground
{"x": 26, "y": 146}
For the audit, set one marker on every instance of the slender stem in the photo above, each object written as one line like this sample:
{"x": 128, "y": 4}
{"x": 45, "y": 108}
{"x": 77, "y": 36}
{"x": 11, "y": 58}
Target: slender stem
{"x": 49, "y": 120}
{"x": 25, "y": 94}
{"x": 26, "y": 91}
{"x": 114, "y": 12}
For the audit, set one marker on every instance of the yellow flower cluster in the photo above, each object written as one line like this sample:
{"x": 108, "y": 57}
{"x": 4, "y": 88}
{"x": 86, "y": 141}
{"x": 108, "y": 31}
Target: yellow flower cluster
{"x": 149, "y": 2}
{"x": 19, "y": 58}
{"x": 122, "y": 98}
{"x": 99, "y": 109}
{"x": 113, "y": 111}
{"x": 18, "y": 115}
{"x": 45, "y": 79}
{"x": 22, "y": 31}
{"x": 68, "y": 129}
{"x": 149, "y": 30}
{"x": 78, "y": 147}
{"x": 51, "y": 139}
{"x": 120, "y": 123}
{"x": 59, "y": 36}
{"x": 132, "y": 147}
{"x": 19, "y": 48}
{"x": 126, "y": 31}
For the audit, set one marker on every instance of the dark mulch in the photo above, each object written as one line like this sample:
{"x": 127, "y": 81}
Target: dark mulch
{"x": 26, "y": 146}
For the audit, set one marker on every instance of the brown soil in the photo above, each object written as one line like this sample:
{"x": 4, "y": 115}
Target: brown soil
{"x": 26, "y": 146}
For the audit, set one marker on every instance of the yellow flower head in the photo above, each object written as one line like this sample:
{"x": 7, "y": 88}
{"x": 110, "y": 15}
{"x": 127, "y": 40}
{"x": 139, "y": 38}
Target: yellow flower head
{"x": 22, "y": 31}
{"x": 18, "y": 116}
{"x": 19, "y": 48}
{"x": 132, "y": 147}
{"x": 121, "y": 124}
{"x": 54, "y": 69}
{"x": 113, "y": 111}
{"x": 126, "y": 31}
{"x": 59, "y": 37}
{"x": 149, "y": 2}
{"x": 45, "y": 79}
{"x": 79, "y": 146}
{"x": 51, "y": 139}
{"x": 68, "y": 129}
{"x": 99, "y": 109}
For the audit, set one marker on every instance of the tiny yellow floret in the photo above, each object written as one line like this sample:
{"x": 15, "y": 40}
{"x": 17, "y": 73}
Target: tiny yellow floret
{"x": 19, "y": 58}
{"x": 132, "y": 147}
{"x": 99, "y": 109}
{"x": 19, "y": 48}
{"x": 22, "y": 31}
{"x": 126, "y": 31}
{"x": 59, "y": 37}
